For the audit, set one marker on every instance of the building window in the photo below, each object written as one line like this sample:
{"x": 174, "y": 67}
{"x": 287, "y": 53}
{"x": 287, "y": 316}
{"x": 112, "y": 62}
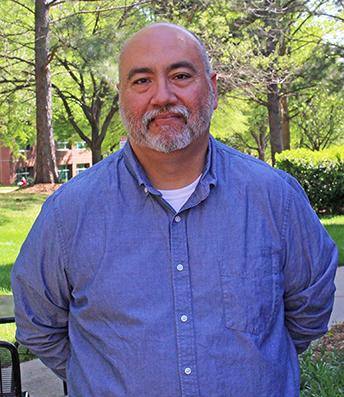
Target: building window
{"x": 62, "y": 146}
{"x": 80, "y": 145}
{"x": 64, "y": 173}
{"x": 81, "y": 167}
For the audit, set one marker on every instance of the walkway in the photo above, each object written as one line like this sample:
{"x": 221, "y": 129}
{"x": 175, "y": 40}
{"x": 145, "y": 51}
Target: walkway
{"x": 338, "y": 308}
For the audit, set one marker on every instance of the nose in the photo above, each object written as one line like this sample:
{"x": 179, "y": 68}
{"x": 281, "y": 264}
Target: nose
{"x": 163, "y": 93}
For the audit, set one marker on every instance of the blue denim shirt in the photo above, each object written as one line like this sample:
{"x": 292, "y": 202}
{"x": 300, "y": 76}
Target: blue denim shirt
{"x": 124, "y": 297}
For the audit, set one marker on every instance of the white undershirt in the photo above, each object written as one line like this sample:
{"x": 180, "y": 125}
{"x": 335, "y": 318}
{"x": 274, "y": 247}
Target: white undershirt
{"x": 178, "y": 197}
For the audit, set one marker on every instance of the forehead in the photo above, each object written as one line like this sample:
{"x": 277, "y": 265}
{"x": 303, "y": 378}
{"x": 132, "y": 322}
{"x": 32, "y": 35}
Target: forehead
{"x": 156, "y": 47}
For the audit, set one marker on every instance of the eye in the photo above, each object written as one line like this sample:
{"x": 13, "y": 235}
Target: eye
{"x": 141, "y": 81}
{"x": 181, "y": 76}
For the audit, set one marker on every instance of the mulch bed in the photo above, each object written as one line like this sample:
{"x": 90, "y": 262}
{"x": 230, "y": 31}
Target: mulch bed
{"x": 45, "y": 188}
{"x": 333, "y": 340}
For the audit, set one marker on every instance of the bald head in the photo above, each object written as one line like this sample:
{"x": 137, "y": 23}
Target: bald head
{"x": 167, "y": 92}
{"x": 181, "y": 36}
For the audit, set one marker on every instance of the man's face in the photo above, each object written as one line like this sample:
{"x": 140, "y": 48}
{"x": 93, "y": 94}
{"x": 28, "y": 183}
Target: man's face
{"x": 166, "y": 97}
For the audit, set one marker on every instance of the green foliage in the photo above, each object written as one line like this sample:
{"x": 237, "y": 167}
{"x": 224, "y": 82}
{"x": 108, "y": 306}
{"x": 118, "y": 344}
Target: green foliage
{"x": 17, "y": 122}
{"x": 17, "y": 117}
{"x": 251, "y": 47}
{"x": 322, "y": 374}
{"x": 86, "y": 42}
{"x": 318, "y": 120}
{"x": 320, "y": 173}
{"x": 229, "y": 118}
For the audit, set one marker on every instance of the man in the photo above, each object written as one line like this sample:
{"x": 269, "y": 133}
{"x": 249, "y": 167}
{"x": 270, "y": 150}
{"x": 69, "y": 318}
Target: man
{"x": 177, "y": 266}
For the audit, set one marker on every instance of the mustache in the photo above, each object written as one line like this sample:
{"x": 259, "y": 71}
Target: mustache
{"x": 177, "y": 109}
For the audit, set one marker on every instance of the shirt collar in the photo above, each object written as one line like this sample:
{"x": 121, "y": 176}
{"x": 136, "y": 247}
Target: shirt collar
{"x": 136, "y": 170}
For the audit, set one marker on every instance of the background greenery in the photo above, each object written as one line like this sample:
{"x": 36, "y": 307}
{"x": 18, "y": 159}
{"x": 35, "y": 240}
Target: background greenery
{"x": 267, "y": 53}
{"x": 322, "y": 373}
{"x": 321, "y": 174}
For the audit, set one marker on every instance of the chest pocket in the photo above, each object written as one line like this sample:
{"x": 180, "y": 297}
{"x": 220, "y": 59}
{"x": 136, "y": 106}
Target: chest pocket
{"x": 249, "y": 290}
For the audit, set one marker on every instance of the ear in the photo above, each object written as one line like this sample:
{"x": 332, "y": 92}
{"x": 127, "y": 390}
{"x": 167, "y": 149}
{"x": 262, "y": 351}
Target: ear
{"x": 213, "y": 80}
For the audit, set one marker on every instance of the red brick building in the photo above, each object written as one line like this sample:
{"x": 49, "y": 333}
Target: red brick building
{"x": 71, "y": 160}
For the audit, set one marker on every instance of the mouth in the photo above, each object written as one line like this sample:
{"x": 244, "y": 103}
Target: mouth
{"x": 166, "y": 115}
{"x": 163, "y": 117}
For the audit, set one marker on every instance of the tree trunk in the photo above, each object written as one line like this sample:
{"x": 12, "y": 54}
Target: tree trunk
{"x": 96, "y": 153}
{"x": 261, "y": 153}
{"x": 262, "y": 143}
{"x": 46, "y": 168}
{"x": 285, "y": 122}
{"x": 274, "y": 121}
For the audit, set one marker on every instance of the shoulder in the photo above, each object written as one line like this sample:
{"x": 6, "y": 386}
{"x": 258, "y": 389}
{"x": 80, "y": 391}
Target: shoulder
{"x": 246, "y": 170}
{"x": 92, "y": 182}
{"x": 86, "y": 192}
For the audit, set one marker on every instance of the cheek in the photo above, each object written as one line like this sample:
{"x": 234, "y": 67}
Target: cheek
{"x": 194, "y": 98}
{"x": 134, "y": 106}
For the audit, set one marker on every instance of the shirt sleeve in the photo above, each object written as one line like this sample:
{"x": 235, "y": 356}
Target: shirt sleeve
{"x": 41, "y": 292}
{"x": 310, "y": 267}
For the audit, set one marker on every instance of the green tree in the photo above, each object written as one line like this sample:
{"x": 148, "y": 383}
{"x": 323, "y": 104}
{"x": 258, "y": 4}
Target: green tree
{"x": 84, "y": 37}
{"x": 87, "y": 43}
{"x": 16, "y": 76}
{"x": 265, "y": 52}
{"x": 321, "y": 120}
{"x": 270, "y": 46}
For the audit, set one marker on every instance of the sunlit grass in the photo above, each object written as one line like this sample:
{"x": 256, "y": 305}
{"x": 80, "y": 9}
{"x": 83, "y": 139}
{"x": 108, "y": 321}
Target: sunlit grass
{"x": 8, "y": 188}
{"x": 17, "y": 214}
{"x": 335, "y": 226}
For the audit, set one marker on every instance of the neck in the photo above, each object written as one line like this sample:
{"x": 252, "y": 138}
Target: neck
{"x": 176, "y": 169}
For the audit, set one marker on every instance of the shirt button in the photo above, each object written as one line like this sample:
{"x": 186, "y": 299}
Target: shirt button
{"x": 180, "y": 267}
{"x": 177, "y": 218}
{"x": 145, "y": 190}
{"x": 184, "y": 318}
{"x": 187, "y": 371}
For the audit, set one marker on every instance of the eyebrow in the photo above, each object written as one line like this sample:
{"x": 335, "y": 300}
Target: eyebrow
{"x": 177, "y": 65}
{"x": 182, "y": 64}
{"x": 134, "y": 71}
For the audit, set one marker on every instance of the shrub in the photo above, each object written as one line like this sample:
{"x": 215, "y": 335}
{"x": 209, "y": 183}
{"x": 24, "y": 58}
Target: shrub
{"x": 320, "y": 173}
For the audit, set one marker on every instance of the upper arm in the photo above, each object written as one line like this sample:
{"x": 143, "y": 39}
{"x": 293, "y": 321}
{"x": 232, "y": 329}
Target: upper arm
{"x": 41, "y": 291}
{"x": 309, "y": 270}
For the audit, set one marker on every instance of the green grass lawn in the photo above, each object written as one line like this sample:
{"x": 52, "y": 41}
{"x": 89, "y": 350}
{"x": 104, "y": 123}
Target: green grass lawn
{"x": 335, "y": 226}
{"x": 8, "y": 188}
{"x": 17, "y": 214}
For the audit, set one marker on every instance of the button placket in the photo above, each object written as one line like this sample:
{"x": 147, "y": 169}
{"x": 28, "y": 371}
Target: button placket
{"x": 183, "y": 308}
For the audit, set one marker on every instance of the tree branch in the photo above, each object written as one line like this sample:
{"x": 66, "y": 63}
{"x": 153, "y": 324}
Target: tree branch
{"x": 24, "y": 6}
{"x": 11, "y": 57}
{"x": 70, "y": 116}
{"x": 100, "y": 10}
{"x": 109, "y": 116}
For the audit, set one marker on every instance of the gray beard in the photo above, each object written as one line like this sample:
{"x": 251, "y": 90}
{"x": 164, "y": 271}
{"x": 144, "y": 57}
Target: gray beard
{"x": 169, "y": 138}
